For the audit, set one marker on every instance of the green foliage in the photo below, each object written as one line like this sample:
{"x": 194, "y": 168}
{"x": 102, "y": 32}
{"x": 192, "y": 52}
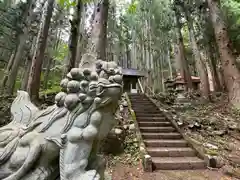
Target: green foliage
{"x": 53, "y": 85}
{"x": 133, "y": 7}
{"x": 70, "y": 3}
{"x": 11, "y": 23}
{"x": 51, "y": 90}
{"x": 61, "y": 52}
{"x": 67, "y": 3}
{"x": 232, "y": 14}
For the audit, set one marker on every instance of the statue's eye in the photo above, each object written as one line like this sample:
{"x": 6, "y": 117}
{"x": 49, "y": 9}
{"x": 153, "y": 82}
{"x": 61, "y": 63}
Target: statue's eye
{"x": 100, "y": 89}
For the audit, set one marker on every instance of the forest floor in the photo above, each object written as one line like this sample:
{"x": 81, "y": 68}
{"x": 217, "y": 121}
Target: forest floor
{"x": 128, "y": 172}
{"x": 5, "y": 115}
{"x": 215, "y": 128}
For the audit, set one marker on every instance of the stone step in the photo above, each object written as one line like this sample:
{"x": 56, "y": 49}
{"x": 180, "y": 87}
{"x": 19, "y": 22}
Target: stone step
{"x": 155, "y": 117}
{"x": 151, "y": 112}
{"x": 166, "y": 143}
{"x": 137, "y": 96}
{"x": 144, "y": 99}
{"x": 142, "y": 104}
{"x": 142, "y": 107}
{"x": 178, "y": 163}
{"x": 145, "y": 108}
{"x": 153, "y": 124}
{"x": 171, "y": 152}
{"x": 146, "y": 111}
{"x": 135, "y": 101}
{"x": 149, "y": 115}
{"x": 151, "y": 119}
{"x": 172, "y": 135}
{"x": 141, "y": 100}
{"x": 157, "y": 129}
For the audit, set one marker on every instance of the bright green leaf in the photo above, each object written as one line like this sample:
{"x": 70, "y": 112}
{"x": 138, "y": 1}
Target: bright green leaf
{"x": 132, "y": 7}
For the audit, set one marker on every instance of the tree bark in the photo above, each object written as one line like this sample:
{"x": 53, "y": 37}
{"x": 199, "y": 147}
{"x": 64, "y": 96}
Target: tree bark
{"x": 46, "y": 74}
{"x": 20, "y": 48}
{"x": 73, "y": 39}
{"x": 202, "y": 69}
{"x": 128, "y": 56}
{"x": 231, "y": 73}
{"x": 180, "y": 52}
{"x": 97, "y": 44}
{"x": 169, "y": 64}
{"x": 213, "y": 67}
{"x": 211, "y": 47}
{"x": 81, "y": 36}
{"x": 28, "y": 64}
{"x": 26, "y": 73}
{"x": 35, "y": 74}
{"x": 8, "y": 69}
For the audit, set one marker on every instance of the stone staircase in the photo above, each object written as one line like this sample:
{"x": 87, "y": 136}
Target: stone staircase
{"x": 167, "y": 148}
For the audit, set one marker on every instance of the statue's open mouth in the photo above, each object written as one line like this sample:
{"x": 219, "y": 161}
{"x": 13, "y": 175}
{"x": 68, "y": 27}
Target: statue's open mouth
{"x": 101, "y": 87}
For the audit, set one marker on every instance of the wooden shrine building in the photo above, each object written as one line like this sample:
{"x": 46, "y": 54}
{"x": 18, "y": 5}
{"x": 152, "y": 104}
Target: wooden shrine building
{"x": 130, "y": 80}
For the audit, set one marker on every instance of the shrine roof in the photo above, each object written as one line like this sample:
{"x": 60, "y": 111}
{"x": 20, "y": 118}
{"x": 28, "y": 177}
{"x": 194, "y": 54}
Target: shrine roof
{"x": 133, "y": 72}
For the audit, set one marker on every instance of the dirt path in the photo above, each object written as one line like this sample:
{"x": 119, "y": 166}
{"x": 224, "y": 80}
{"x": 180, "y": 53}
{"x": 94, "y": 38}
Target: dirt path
{"x": 124, "y": 172}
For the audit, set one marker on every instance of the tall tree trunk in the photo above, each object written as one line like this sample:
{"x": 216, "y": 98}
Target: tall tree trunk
{"x": 221, "y": 78}
{"x": 73, "y": 39}
{"x": 211, "y": 48}
{"x": 202, "y": 69}
{"x": 97, "y": 44}
{"x": 46, "y": 74}
{"x": 128, "y": 56}
{"x": 162, "y": 74}
{"x": 169, "y": 64}
{"x": 81, "y": 36}
{"x": 27, "y": 15}
{"x": 16, "y": 63}
{"x": 8, "y": 69}
{"x": 35, "y": 74}
{"x": 50, "y": 60}
{"x": 213, "y": 67}
{"x": 180, "y": 50}
{"x": 28, "y": 64}
{"x": 231, "y": 73}
{"x": 26, "y": 73}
